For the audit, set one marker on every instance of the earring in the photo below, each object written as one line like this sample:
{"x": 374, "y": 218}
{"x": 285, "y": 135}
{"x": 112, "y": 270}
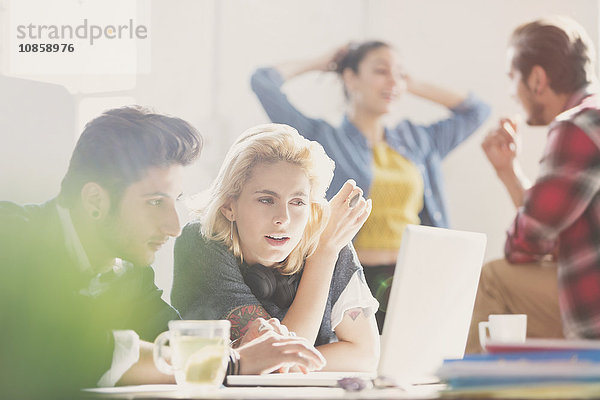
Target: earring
{"x": 231, "y": 231}
{"x": 95, "y": 214}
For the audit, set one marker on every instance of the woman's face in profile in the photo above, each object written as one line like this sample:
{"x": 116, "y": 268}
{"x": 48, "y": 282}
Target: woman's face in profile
{"x": 271, "y": 212}
{"x": 378, "y": 83}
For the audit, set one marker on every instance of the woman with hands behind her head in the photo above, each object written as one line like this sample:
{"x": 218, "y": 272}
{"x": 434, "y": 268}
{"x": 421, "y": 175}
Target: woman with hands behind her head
{"x": 399, "y": 167}
{"x": 268, "y": 244}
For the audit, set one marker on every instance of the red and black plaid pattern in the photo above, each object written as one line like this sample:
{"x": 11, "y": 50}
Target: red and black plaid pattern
{"x": 561, "y": 216}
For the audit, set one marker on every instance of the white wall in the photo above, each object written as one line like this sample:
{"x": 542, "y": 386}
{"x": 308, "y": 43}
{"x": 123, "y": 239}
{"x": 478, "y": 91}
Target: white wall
{"x": 203, "y": 52}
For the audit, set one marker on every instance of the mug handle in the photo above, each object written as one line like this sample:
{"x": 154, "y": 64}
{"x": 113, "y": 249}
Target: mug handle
{"x": 484, "y": 327}
{"x": 157, "y": 353}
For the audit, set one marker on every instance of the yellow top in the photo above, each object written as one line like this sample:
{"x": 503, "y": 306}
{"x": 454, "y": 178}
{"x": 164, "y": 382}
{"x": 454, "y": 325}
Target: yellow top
{"x": 397, "y": 195}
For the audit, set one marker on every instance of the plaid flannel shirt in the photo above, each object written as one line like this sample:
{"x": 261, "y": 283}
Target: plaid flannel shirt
{"x": 561, "y": 214}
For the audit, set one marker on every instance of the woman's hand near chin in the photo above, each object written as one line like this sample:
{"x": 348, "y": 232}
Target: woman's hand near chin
{"x": 348, "y": 212}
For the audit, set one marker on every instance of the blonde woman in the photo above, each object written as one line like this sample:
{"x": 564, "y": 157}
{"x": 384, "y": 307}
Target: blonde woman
{"x": 268, "y": 244}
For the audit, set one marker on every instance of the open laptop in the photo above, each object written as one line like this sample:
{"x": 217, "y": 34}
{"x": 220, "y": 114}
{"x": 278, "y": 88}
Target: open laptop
{"x": 428, "y": 314}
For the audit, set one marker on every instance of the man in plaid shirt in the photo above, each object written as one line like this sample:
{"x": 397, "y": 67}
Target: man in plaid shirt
{"x": 552, "y": 266}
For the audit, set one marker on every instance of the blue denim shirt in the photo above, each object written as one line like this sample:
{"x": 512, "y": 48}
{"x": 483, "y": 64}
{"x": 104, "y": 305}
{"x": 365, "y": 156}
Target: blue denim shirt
{"x": 424, "y": 145}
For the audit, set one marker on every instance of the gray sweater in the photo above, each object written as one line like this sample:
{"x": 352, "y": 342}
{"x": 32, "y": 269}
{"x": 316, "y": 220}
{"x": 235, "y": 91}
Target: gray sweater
{"x": 208, "y": 282}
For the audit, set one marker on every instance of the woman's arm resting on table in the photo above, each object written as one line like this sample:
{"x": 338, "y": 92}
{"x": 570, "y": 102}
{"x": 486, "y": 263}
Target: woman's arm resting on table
{"x": 272, "y": 351}
{"x": 358, "y": 346}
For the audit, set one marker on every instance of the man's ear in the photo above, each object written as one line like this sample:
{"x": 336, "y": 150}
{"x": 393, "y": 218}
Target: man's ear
{"x": 538, "y": 81}
{"x": 228, "y": 210}
{"x": 95, "y": 201}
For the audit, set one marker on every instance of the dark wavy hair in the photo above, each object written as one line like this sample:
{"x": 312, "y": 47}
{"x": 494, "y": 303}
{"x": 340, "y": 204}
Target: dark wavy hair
{"x": 356, "y": 53}
{"x": 560, "y": 46}
{"x": 117, "y": 148}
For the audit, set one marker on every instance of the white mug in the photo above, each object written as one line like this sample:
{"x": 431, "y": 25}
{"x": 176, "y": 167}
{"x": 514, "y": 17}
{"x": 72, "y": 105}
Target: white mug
{"x": 506, "y": 328}
{"x": 199, "y": 353}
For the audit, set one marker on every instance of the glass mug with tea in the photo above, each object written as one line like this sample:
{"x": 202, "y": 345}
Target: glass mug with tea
{"x": 199, "y": 353}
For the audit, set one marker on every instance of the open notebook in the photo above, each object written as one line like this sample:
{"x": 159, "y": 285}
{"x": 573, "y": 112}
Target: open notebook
{"x": 428, "y": 314}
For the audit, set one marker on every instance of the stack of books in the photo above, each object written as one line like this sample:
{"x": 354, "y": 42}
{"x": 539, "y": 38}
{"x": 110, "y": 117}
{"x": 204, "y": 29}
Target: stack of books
{"x": 537, "y": 368}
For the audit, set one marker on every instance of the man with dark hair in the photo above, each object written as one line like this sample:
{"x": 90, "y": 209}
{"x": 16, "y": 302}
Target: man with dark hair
{"x": 552, "y": 266}
{"x": 79, "y": 304}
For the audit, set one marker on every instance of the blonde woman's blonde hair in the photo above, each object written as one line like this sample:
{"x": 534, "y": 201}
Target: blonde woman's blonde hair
{"x": 268, "y": 143}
